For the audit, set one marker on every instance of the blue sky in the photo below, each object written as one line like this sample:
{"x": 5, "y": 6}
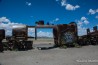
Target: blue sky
{"x": 83, "y": 12}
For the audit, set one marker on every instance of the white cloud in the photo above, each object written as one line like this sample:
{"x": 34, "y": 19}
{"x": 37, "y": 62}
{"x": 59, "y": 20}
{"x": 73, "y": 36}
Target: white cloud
{"x": 77, "y": 6}
{"x": 6, "y": 24}
{"x": 69, "y": 6}
{"x": 86, "y": 22}
{"x": 80, "y": 23}
{"x": 31, "y": 29}
{"x": 8, "y": 32}
{"x": 63, "y": 3}
{"x": 4, "y": 19}
{"x": 28, "y": 3}
{"x": 44, "y": 34}
{"x": 81, "y": 30}
{"x": 57, "y": 19}
{"x": 31, "y": 32}
{"x": 83, "y": 18}
{"x": 91, "y": 11}
{"x": 81, "y": 27}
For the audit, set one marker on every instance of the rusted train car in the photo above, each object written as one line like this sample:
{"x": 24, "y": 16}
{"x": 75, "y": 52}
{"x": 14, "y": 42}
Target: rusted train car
{"x": 65, "y": 34}
{"x": 83, "y": 40}
{"x": 93, "y": 36}
{"x": 19, "y": 38}
{"x": 2, "y": 36}
{"x": 90, "y": 39}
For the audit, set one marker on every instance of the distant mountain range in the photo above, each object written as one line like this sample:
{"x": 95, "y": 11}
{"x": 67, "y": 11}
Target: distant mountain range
{"x": 41, "y": 37}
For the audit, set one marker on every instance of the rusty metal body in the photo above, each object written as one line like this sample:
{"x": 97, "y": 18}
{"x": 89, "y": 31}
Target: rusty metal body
{"x": 90, "y": 39}
{"x": 20, "y": 33}
{"x": 67, "y": 34}
{"x": 63, "y": 34}
{"x": 19, "y": 39}
{"x": 83, "y": 40}
{"x": 2, "y": 36}
{"x": 93, "y": 36}
{"x": 69, "y": 31}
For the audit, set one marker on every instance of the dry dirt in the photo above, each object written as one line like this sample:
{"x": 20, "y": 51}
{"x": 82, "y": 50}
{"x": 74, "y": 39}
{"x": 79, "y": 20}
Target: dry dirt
{"x": 87, "y": 55}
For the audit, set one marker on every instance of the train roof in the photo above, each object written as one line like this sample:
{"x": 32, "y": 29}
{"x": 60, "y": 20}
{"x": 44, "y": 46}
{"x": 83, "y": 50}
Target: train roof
{"x": 18, "y": 26}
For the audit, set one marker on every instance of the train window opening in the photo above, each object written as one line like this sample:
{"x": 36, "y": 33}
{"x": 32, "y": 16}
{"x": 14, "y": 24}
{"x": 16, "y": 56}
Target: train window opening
{"x": 31, "y": 32}
{"x": 8, "y": 32}
{"x": 44, "y": 37}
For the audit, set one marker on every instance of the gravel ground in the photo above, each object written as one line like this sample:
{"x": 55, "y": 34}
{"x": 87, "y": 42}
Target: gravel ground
{"x": 87, "y": 55}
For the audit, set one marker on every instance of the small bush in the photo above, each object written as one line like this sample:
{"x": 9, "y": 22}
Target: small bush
{"x": 76, "y": 45}
{"x": 63, "y": 47}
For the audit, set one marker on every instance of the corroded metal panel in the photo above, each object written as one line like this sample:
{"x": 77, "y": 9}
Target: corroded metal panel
{"x": 20, "y": 33}
{"x": 67, "y": 33}
{"x": 2, "y": 34}
{"x": 55, "y": 36}
{"x": 90, "y": 38}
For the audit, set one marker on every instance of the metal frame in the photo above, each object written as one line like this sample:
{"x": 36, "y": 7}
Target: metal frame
{"x": 58, "y": 30}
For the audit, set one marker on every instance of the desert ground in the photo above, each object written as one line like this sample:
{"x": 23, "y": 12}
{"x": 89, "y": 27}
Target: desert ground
{"x": 86, "y": 55}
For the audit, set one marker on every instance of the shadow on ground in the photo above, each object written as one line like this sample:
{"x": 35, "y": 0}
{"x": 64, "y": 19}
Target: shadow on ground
{"x": 46, "y": 48}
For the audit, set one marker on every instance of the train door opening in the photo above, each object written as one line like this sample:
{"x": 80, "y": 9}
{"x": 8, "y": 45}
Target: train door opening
{"x": 44, "y": 37}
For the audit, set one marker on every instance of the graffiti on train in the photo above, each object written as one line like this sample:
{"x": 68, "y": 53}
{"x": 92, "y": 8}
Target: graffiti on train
{"x": 69, "y": 37}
